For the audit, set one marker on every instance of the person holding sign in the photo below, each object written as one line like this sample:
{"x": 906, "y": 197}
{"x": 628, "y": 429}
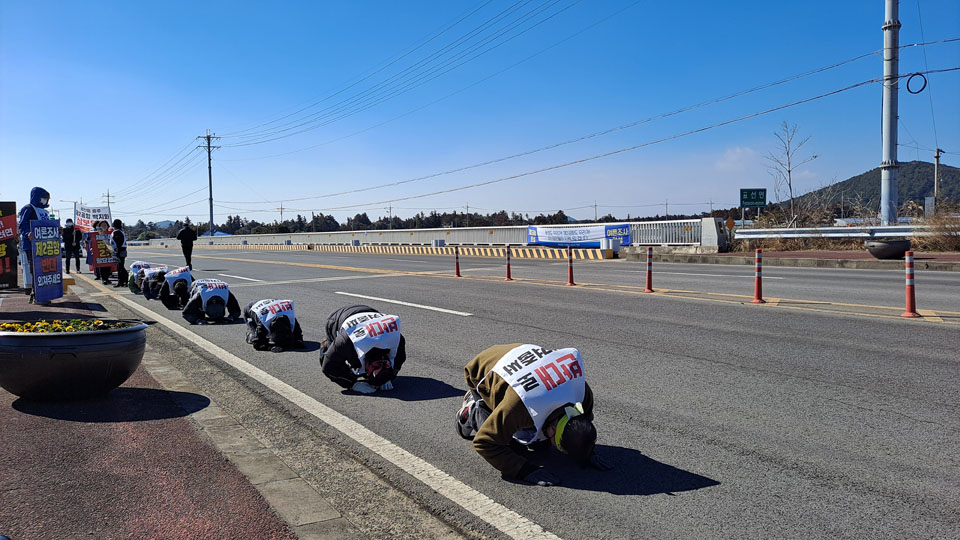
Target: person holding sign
{"x": 364, "y": 349}
{"x": 119, "y": 244}
{"x": 272, "y": 320}
{"x": 175, "y": 290}
{"x": 36, "y": 209}
{"x": 528, "y": 395}
{"x": 211, "y": 300}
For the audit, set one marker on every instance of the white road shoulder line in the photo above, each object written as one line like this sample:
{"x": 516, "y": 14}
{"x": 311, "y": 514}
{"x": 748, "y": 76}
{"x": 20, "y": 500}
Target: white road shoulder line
{"x": 421, "y": 306}
{"x": 504, "y": 519}
{"x": 240, "y": 277}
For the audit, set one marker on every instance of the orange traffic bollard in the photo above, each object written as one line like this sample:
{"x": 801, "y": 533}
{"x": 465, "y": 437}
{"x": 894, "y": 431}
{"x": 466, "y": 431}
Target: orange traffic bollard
{"x": 758, "y": 280}
{"x": 570, "y": 267}
{"x": 508, "y": 278}
{"x": 911, "y": 308}
{"x": 649, "y": 287}
{"x": 456, "y": 253}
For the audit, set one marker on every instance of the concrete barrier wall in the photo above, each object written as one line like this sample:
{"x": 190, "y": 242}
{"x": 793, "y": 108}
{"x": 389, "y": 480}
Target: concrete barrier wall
{"x": 674, "y": 232}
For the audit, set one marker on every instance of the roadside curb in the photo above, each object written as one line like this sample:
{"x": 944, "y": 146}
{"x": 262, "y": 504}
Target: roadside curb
{"x": 308, "y": 514}
{"x": 803, "y": 262}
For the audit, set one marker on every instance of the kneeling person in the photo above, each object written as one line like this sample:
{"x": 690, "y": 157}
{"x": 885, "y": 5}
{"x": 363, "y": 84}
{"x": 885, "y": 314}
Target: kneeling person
{"x": 211, "y": 300}
{"x": 135, "y": 283}
{"x": 153, "y": 280}
{"x": 528, "y": 394}
{"x": 364, "y": 349}
{"x": 175, "y": 291}
{"x": 272, "y": 320}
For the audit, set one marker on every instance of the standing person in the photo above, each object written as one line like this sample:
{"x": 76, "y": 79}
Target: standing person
{"x": 104, "y": 272}
{"x": 364, "y": 349}
{"x": 120, "y": 252}
{"x": 528, "y": 394}
{"x": 72, "y": 240}
{"x": 187, "y": 236}
{"x": 35, "y": 209}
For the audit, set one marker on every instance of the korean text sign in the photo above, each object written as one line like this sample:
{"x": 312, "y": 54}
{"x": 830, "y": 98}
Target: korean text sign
{"x": 9, "y": 240}
{"x": 47, "y": 259}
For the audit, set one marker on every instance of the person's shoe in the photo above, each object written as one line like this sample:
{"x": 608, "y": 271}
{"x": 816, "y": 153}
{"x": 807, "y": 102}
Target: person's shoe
{"x": 464, "y": 414}
{"x": 33, "y": 299}
{"x": 68, "y": 270}
{"x": 118, "y": 286}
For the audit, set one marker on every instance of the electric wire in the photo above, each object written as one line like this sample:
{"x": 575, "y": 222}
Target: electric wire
{"x": 146, "y": 178}
{"x": 634, "y": 147}
{"x": 933, "y": 117}
{"x": 401, "y": 88}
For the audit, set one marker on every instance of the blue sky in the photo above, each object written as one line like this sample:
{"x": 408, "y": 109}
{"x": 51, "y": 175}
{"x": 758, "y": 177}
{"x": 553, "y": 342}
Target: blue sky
{"x": 98, "y": 95}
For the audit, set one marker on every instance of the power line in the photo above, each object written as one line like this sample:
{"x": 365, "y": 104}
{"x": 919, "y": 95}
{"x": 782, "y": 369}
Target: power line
{"x": 137, "y": 183}
{"x": 586, "y": 137}
{"x": 463, "y": 89}
{"x": 634, "y": 147}
{"x": 933, "y": 117}
{"x": 374, "y": 97}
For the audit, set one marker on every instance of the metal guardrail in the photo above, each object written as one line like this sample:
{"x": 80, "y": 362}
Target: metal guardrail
{"x": 675, "y": 232}
{"x": 891, "y": 231}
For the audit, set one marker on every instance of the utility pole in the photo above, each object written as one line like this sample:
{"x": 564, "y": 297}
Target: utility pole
{"x": 711, "y": 207}
{"x": 666, "y": 208}
{"x": 108, "y": 197}
{"x": 936, "y": 173}
{"x": 209, "y": 137}
{"x": 595, "y": 215}
{"x": 468, "y": 214}
{"x": 281, "y": 212}
{"x": 390, "y": 218}
{"x": 889, "y": 165}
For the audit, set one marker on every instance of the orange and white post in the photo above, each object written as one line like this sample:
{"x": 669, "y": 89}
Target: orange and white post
{"x": 649, "y": 286}
{"x": 911, "y": 308}
{"x": 508, "y": 278}
{"x": 758, "y": 280}
{"x": 456, "y": 254}
{"x": 570, "y": 267}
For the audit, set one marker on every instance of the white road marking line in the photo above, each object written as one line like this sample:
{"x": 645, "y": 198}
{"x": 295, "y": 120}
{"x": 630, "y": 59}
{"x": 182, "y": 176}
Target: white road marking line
{"x": 421, "y": 306}
{"x": 316, "y": 280}
{"x": 411, "y": 261}
{"x": 506, "y": 520}
{"x": 240, "y": 277}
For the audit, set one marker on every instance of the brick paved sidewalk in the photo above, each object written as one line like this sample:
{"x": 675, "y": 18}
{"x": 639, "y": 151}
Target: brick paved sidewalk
{"x": 127, "y": 465}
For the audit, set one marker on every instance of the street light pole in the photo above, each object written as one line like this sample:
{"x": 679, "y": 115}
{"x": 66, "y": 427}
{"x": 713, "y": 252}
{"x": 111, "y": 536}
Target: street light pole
{"x": 891, "y": 79}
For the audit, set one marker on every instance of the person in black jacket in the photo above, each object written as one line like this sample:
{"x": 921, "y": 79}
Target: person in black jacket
{"x": 153, "y": 280}
{"x": 364, "y": 349}
{"x": 187, "y": 236}
{"x": 211, "y": 301}
{"x": 120, "y": 252}
{"x": 272, "y": 320}
{"x": 72, "y": 240}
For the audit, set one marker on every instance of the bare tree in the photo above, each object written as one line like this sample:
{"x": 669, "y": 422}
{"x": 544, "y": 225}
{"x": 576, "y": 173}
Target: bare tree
{"x": 785, "y": 160}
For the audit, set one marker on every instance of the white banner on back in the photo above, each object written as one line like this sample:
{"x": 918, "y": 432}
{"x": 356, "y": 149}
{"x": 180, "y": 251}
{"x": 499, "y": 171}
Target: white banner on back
{"x": 85, "y": 216}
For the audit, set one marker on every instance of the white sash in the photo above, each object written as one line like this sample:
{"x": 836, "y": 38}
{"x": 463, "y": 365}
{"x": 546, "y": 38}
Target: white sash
{"x": 268, "y": 311}
{"x": 150, "y": 271}
{"x": 176, "y": 275}
{"x": 545, "y": 380}
{"x": 209, "y": 288}
{"x": 369, "y": 330}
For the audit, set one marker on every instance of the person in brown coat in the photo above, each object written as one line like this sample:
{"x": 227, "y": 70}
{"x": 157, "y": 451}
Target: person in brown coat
{"x": 528, "y": 395}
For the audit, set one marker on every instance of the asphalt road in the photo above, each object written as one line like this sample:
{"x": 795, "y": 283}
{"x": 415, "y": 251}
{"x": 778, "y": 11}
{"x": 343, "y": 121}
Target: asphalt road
{"x": 723, "y": 419}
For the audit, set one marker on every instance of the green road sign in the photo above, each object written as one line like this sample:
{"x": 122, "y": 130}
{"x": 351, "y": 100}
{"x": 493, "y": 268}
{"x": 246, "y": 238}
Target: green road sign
{"x": 753, "y": 197}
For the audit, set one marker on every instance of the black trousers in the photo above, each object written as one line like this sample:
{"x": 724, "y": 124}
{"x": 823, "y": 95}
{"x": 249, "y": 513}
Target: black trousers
{"x": 188, "y": 254}
{"x": 71, "y": 254}
{"x": 122, "y": 275}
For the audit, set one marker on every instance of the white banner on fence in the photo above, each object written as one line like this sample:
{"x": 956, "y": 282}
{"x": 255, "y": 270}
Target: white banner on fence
{"x": 585, "y": 236}
{"x": 85, "y": 216}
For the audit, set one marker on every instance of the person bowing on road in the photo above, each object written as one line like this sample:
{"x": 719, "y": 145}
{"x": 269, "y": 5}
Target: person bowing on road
{"x": 135, "y": 283}
{"x": 175, "y": 291}
{"x": 152, "y": 281}
{"x": 274, "y": 321}
{"x": 527, "y": 395}
{"x": 364, "y": 349}
{"x": 211, "y": 301}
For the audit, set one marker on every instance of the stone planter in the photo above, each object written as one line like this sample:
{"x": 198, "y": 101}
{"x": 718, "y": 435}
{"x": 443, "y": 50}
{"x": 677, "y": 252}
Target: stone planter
{"x": 887, "y": 249}
{"x": 73, "y": 365}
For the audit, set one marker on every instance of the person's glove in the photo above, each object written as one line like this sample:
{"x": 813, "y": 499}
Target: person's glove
{"x": 599, "y": 463}
{"x": 363, "y": 387}
{"x": 386, "y": 386}
{"x": 542, "y": 477}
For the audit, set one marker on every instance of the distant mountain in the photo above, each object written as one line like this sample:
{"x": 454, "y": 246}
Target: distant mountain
{"x": 914, "y": 182}
{"x": 164, "y": 224}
